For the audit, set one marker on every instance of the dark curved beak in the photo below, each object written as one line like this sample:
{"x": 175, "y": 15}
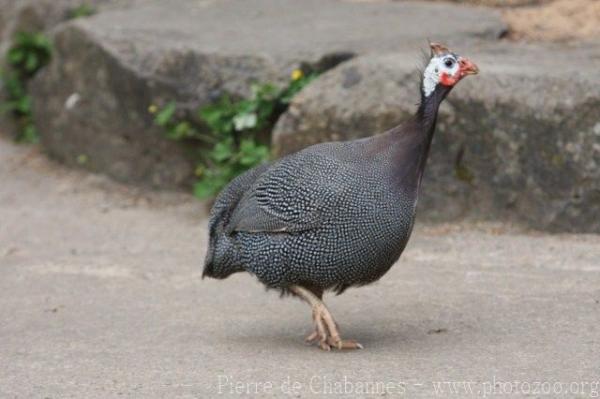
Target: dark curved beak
{"x": 467, "y": 67}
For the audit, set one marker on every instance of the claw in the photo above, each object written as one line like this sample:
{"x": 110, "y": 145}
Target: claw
{"x": 326, "y": 330}
{"x": 312, "y": 337}
{"x": 327, "y": 333}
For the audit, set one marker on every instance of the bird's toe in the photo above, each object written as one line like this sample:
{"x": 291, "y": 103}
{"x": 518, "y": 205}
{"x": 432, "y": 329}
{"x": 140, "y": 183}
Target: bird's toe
{"x": 325, "y": 346}
{"x": 344, "y": 344}
{"x": 312, "y": 337}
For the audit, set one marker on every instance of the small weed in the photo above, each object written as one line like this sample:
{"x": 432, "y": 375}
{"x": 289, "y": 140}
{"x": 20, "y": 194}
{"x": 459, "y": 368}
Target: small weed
{"x": 233, "y": 145}
{"x": 29, "y": 53}
{"x": 82, "y": 11}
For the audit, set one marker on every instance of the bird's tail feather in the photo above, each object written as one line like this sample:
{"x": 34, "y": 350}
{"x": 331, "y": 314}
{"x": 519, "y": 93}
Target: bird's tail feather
{"x": 221, "y": 258}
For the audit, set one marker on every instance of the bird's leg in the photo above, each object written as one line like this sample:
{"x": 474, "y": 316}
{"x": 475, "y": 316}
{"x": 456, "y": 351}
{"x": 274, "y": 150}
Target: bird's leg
{"x": 326, "y": 330}
{"x": 319, "y": 327}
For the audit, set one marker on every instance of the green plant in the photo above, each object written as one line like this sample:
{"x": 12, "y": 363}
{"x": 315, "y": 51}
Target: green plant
{"x": 28, "y": 54}
{"x": 81, "y": 11}
{"x": 233, "y": 145}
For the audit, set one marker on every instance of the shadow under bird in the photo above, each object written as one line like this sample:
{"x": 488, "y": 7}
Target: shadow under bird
{"x": 334, "y": 215}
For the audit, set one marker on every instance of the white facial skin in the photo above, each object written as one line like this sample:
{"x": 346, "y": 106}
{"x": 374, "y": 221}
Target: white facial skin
{"x": 442, "y": 69}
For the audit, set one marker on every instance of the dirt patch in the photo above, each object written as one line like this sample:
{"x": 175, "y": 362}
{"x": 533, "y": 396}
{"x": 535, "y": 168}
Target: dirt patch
{"x": 560, "y": 21}
{"x": 498, "y": 3}
{"x": 546, "y": 20}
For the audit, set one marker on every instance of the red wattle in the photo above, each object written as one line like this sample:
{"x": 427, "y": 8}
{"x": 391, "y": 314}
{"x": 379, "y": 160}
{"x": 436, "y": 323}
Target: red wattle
{"x": 447, "y": 80}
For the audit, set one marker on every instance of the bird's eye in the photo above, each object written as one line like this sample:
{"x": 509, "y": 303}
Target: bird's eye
{"x": 449, "y": 62}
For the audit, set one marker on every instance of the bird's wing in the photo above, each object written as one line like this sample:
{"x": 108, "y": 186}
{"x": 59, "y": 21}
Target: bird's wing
{"x": 293, "y": 195}
{"x": 229, "y": 197}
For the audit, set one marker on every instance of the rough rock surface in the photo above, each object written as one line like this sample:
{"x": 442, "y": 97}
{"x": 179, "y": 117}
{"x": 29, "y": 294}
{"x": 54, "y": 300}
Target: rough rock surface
{"x": 521, "y": 140}
{"x": 42, "y": 15}
{"x": 39, "y": 16}
{"x": 114, "y": 65}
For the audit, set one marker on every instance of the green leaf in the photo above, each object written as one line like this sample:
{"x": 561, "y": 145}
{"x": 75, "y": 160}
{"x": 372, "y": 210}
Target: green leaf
{"x": 265, "y": 91}
{"x": 251, "y": 153}
{"x": 219, "y": 116}
{"x": 29, "y": 52}
{"x": 212, "y": 183}
{"x": 204, "y": 189}
{"x": 247, "y": 146}
{"x": 213, "y": 118}
{"x": 23, "y": 105}
{"x": 249, "y": 161}
{"x": 84, "y": 10}
{"x": 222, "y": 151}
{"x": 15, "y": 56}
{"x": 181, "y": 130}
{"x": 164, "y": 116}
{"x": 14, "y": 87}
{"x": 28, "y": 134}
{"x": 31, "y": 62}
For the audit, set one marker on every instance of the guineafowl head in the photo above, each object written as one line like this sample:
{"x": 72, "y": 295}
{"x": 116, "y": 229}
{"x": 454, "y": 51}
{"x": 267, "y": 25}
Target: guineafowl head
{"x": 445, "y": 69}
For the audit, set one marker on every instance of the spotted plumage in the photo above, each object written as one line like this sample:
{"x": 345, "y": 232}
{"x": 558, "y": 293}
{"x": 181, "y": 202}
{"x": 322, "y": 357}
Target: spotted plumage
{"x": 333, "y": 215}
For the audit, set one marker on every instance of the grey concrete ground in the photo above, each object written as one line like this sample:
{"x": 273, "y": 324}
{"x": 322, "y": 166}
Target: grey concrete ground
{"x": 101, "y": 297}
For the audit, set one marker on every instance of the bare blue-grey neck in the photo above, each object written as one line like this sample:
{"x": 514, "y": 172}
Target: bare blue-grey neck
{"x": 413, "y": 146}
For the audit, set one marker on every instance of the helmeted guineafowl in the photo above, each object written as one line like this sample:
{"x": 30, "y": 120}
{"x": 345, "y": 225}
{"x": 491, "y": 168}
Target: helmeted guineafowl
{"x": 333, "y": 215}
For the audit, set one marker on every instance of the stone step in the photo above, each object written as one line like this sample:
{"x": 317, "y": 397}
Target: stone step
{"x": 521, "y": 140}
{"x": 91, "y": 102}
{"x": 39, "y": 16}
